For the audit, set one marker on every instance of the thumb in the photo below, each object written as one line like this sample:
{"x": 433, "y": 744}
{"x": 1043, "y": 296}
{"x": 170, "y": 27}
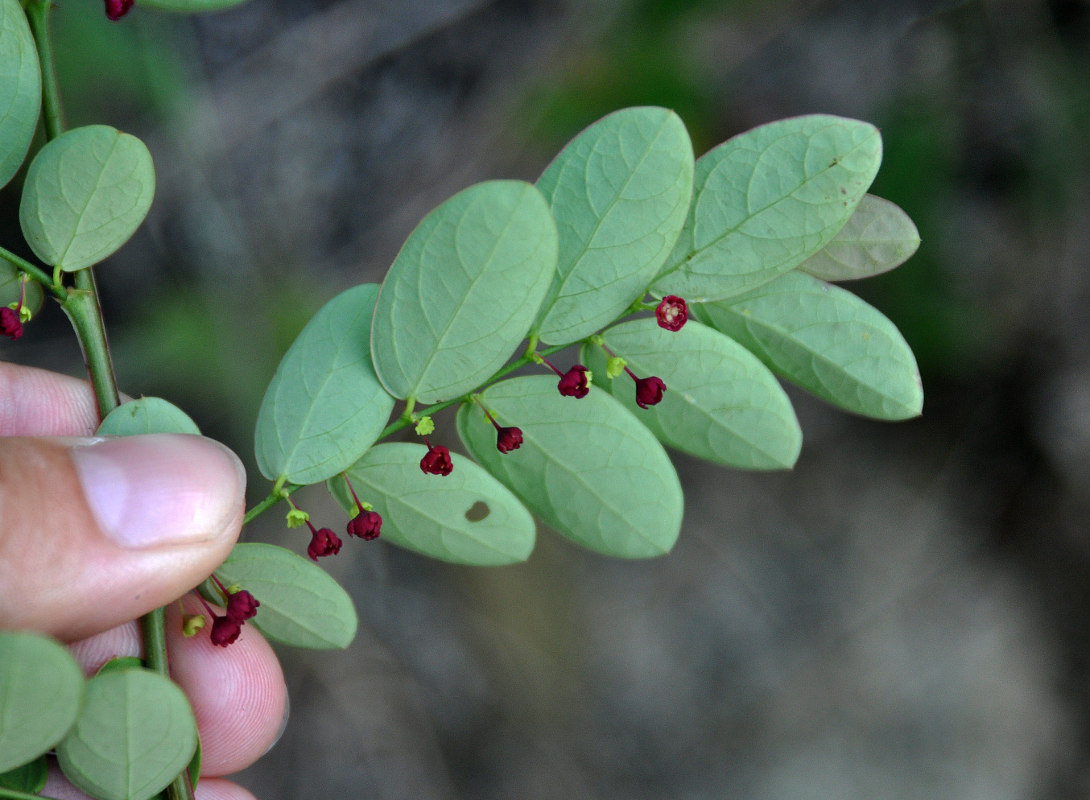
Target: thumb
{"x": 97, "y": 531}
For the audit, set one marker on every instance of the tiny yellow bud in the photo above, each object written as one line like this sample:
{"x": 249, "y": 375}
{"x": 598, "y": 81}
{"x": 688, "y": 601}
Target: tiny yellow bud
{"x": 424, "y": 426}
{"x": 615, "y": 366}
{"x": 297, "y": 517}
{"x": 191, "y": 623}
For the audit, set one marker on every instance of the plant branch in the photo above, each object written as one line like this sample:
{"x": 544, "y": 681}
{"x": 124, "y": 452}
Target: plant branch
{"x": 33, "y": 272}
{"x": 37, "y": 13}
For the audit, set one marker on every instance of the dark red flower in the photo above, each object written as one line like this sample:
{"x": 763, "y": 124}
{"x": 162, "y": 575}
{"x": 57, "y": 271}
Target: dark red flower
{"x": 241, "y": 605}
{"x": 672, "y": 313}
{"x": 508, "y": 439}
{"x": 10, "y": 325}
{"x": 649, "y": 391}
{"x": 323, "y": 542}
{"x": 367, "y": 525}
{"x": 574, "y": 382}
{"x": 437, "y": 460}
{"x": 225, "y": 630}
{"x": 116, "y": 9}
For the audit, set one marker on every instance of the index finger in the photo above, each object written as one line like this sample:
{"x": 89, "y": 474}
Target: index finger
{"x": 37, "y": 402}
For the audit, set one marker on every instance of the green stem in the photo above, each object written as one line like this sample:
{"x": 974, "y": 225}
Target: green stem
{"x": 37, "y": 14}
{"x": 277, "y": 494}
{"x": 83, "y": 311}
{"x": 39, "y": 275}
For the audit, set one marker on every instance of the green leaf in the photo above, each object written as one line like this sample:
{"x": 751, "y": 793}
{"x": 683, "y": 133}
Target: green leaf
{"x": 41, "y": 688}
{"x": 466, "y": 517}
{"x": 29, "y": 778}
{"x": 878, "y": 237}
{"x": 826, "y": 340}
{"x": 766, "y": 200}
{"x": 136, "y": 732}
{"x": 86, "y": 193}
{"x": 190, "y": 6}
{"x": 587, "y": 466}
{"x": 619, "y": 192}
{"x": 325, "y": 406}
{"x": 20, "y": 88}
{"x": 10, "y": 280}
{"x": 301, "y": 605}
{"x": 720, "y": 402}
{"x": 146, "y": 415}
{"x": 463, "y": 291}
{"x": 119, "y": 663}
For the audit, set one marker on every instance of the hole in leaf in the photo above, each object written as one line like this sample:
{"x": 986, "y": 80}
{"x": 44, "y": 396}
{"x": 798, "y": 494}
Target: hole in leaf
{"x": 478, "y": 511}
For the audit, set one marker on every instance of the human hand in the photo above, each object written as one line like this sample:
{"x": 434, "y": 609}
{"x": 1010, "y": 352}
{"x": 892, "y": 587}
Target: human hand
{"x": 96, "y": 532}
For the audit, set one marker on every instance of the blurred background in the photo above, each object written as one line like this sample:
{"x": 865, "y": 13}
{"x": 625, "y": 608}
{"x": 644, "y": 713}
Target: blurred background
{"x": 906, "y": 614}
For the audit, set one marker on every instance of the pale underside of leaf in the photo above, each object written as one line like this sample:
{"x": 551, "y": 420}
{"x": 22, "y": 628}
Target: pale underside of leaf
{"x": 146, "y": 415}
{"x": 20, "y": 88}
{"x": 466, "y": 517}
{"x": 766, "y": 200}
{"x": 325, "y": 405}
{"x": 587, "y": 467}
{"x": 86, "y": 193}
{"x": 301, "y": 604}
{"x": 828, "y": 341}
{"x": 619, "y": 193}
{"x": 721, "y": 403}
{"x": 463, "y": 291}
{"x": 878, "y": 237}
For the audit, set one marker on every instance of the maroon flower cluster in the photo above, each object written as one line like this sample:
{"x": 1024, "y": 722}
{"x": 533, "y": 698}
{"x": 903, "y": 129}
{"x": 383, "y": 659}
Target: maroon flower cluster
{"x": 323, "y": 542}
{"x": 116, "y": 9}
{"x": 507, "y": 439}
{"x": 241, "y": 606}
{"x": 648, "y": 390}
{"x": 367, "y": 524}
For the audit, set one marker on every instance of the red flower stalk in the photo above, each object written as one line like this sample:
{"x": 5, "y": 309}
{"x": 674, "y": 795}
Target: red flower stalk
{"x": 116, "y": 9}
{"x": 507, "y": 439}
{"x": 672, "y": 312}
{"x": 367, "y": 524}
{"x": 437, "y": 460}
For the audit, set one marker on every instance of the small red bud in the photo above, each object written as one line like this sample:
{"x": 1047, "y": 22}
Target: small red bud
{"x": 225, "y": 631}
{"x": 649, "y": 391}
{"x": 672, "y": 313}
{"x": 574, "y": 383}
{"x": 241, "y": 606}
{"x": 508, "y": 439}
{"x": 437, "y": 460}
{"x": 323, "y": 542}
{"x": 367, "y": 525}
{"x": 10, "y": 325}
{"x": 116, "y": 9}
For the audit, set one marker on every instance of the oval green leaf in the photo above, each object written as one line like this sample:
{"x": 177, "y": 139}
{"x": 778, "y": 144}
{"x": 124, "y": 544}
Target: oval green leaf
{"x": 325, "y": 405}
{"x": 146, "y": 415}
{"x": 466, "y": 517}
{"x": 878, "y": 237}
{"x": 587, "y": 466}
{"x": 29, "y": 778}
{"x": 620, "y": 193}
{"x": 41, "y": 688}
{"x": 136, "y": 732}
{"x": 766, "y": 200}
{"x": 190, "y": 6}
{"x": 86, "y": 193}
{"x": 20, "y": 88}
{"x": 463, "y": 291}
{"x": 721, "y": 403}
{"x": 826, "y": 340}
{"x": 301, "y": 605}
